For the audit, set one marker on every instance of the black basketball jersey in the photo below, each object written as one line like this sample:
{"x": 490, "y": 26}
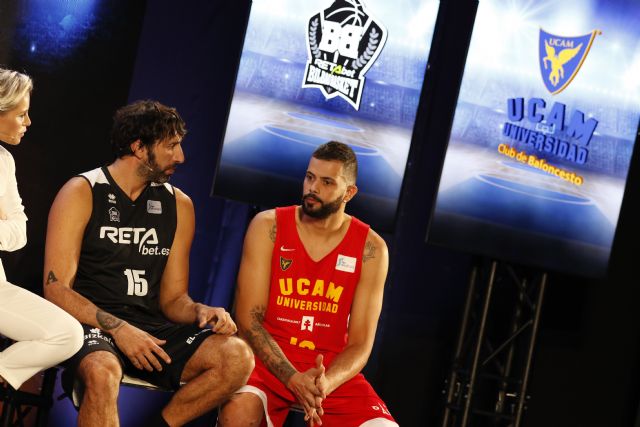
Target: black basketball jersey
{"x": 125, "y": 248}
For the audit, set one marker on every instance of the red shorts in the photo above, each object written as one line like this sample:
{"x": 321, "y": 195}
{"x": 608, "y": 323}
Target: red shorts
{"x": 350, "y": 405}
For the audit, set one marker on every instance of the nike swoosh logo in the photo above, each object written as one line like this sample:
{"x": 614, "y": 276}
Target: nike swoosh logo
{"x": 283, "y": 249}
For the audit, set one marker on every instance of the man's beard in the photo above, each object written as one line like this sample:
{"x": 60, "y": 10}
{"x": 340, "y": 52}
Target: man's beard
{"x": 152, "y": 172}
{"x": 325, "y": 209}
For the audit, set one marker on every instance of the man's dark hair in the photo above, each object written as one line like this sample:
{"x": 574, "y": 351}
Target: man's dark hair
{"x": 338, "y": 151}
{"x": 149, "y": 121}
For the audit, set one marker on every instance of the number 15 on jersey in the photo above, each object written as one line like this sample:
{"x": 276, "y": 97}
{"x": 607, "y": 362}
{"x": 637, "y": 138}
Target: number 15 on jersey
{"x": 136, "y": 283}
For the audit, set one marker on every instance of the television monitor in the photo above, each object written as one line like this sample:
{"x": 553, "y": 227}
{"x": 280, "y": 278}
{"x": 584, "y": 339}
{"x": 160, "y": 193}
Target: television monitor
{"x": 315, "y": 71}
{"x": 543, "y": 134}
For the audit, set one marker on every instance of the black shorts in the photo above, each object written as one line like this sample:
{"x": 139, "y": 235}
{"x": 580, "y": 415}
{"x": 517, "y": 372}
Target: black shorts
{"x": 182, "y": 342}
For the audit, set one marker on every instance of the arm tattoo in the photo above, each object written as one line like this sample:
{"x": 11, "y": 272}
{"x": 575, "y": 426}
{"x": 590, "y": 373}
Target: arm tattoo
{"x": 51, "y": 278}
{"x": 369, "y": 251}
{"x": 257, "y": 315}
{"x": 106, "y": 320}
{"x": 266, "y": 348}
{"x": 272, "y": 233}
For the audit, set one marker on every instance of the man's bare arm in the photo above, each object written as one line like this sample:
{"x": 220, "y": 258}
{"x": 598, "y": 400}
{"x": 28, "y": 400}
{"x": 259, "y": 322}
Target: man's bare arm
{"x": 363, "y": 319}
{"x": 175, "y": 302}
{"x": 252, "y": 296}
{"x": 266, "y": 348}
{"x": 68, "y": 219}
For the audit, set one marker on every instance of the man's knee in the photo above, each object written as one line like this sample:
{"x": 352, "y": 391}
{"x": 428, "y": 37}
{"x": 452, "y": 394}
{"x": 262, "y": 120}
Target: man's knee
{"x": 101, "y": 373}
{"x": 238, "y": 358}
{"x": 242, "y": 410}
{"x": 227, "y": 359}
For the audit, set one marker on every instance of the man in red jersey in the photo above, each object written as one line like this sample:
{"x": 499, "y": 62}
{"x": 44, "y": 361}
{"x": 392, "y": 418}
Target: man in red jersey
{"x": 309, "y": 295}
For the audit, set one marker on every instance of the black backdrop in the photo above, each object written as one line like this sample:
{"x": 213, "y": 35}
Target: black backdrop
{"x": 586, "y": 365}
{"x": 76, "y": 91}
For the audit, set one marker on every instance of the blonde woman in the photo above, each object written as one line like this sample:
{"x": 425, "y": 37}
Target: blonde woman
{"x": 44, "y": 334}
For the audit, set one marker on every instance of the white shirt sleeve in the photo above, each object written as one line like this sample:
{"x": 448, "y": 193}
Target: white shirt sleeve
{"x": 13, "y": 221}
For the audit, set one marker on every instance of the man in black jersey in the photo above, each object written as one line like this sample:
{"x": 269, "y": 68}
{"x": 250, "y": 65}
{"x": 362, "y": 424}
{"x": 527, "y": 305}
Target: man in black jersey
{"x": 117, "y": 259}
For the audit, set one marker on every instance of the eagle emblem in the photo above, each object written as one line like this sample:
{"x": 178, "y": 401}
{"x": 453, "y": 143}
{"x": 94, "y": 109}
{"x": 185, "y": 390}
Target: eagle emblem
{"x": 561, "y": 58}
{"x": 285, "y": 263}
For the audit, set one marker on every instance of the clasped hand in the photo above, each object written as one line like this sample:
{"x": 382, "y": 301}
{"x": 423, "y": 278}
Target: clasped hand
{"x": 309, "y": 387}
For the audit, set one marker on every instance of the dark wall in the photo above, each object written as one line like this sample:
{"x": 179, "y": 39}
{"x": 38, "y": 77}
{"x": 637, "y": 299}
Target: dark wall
{"x": 587, "y": 366}
{"x": 188, "y": 59}
{"x": 81, "y": 62}
{"x": 426, "y": 284}
{"x": 79, "y": 83}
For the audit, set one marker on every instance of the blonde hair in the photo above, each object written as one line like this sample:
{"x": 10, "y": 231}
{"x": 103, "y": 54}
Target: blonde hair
{"x": 14, "y": 86}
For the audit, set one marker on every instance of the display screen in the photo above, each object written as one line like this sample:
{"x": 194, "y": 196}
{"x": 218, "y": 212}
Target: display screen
{"x": 315, "y": 71}
{"x": 543, "y": 133}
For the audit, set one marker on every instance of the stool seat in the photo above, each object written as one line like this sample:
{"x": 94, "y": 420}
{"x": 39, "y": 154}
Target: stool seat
{"x": 127, "y": 380}
{"x": 137, "y": 382}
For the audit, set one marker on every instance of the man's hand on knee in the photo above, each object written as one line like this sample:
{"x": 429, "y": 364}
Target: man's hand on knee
{"x": 216, "y": 317}
{"x": 141, "y": 348}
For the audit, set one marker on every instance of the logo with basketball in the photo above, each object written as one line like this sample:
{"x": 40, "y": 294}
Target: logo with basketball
{"x": 343, "y": 43}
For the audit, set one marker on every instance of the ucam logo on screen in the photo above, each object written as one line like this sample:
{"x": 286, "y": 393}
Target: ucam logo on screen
{"x": 561, "y": 58}
{"x": 343, "y": 42}
{"x": 551, "y": 130}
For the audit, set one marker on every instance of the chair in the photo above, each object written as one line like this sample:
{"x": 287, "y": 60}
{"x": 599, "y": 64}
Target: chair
{"x": 127, "y": 380}
{"x": 17, "y": 404}
{"x": 295, "y": 417}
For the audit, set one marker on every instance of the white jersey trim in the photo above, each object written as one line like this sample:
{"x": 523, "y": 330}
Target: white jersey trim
{"x": 95, "y": 176}
{"x": 261, "y": 395}
{"x": 379, "y": 422}
{"x": 375, "y": 422}
{"x": 168, "y": 186}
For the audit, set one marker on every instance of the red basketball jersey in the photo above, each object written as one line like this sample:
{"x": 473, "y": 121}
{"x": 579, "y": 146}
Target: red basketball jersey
{"x": 310, "y": 302}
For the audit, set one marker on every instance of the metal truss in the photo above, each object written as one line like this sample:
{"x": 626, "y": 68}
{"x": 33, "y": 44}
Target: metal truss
{"x": 487, "y": 384}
